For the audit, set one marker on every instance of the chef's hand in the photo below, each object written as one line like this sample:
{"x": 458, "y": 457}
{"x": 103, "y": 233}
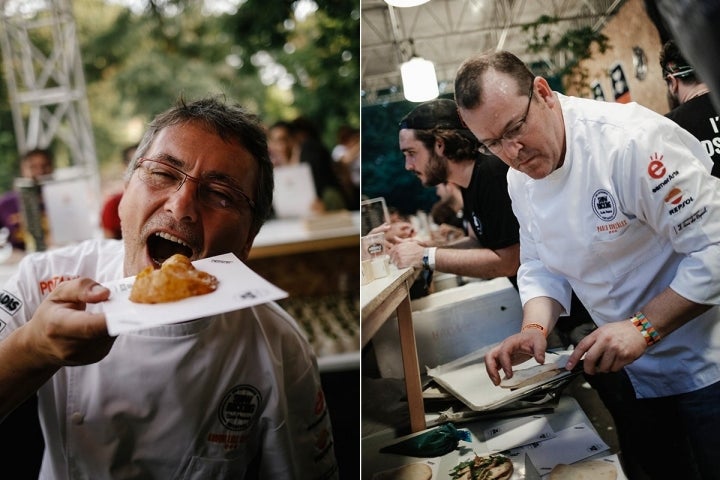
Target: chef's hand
{"x": 609, "y": 348}
{"x": 514, "y": 350}
{"x": 62, "y": 333}
{"x": 408, "y": 253}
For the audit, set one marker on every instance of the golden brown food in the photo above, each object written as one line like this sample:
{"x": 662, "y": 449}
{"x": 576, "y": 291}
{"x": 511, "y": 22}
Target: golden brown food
{"x": 176, "y": 279}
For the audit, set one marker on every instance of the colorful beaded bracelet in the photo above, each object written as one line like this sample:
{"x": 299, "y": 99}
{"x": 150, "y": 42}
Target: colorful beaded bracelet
{"x": 648, "y": 331}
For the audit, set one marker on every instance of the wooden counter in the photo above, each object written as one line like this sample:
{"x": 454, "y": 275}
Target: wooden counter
{"x": 308, "y": 262}
{"x": 378, "y": 300}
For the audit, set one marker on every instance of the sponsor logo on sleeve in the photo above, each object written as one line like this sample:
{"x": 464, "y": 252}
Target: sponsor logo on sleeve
{"x": 9, "y": 303}
{"x": 690, "y": 220}
{"x": 656, "y": 170}
{"x": 677, "y": 200}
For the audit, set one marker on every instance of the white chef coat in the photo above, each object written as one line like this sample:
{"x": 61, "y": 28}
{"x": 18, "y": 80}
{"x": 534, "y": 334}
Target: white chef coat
{"x": 631, "y": 211}
{"x": 231, "y": 396}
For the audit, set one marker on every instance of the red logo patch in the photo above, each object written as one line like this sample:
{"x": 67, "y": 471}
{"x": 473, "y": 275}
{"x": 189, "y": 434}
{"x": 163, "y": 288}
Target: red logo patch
{"x": 656, "y": 169}
{"x": 674, "y": 196}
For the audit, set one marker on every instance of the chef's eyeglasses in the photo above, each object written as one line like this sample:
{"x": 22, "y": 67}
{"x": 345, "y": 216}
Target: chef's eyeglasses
{"x": 511, "y": 134}
{"x": 214, "y": 194}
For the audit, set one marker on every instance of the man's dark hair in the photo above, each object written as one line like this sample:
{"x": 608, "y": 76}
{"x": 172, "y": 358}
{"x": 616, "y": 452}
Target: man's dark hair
{"x": 231, "y": 123}
{"x": 673, "y": 63}
{"x": 46, "y": 152}
{"x": 468, "y": 79}
{"x": 439, "y": 119}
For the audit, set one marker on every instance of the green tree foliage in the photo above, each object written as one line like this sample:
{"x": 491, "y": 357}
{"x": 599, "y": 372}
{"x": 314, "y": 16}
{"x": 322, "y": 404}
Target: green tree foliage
{"x": 320, "y": 53}
{"x": 138, "y": 62}
{"x": 570, "y": 48}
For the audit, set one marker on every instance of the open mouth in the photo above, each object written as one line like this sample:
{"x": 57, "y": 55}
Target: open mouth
{"x": 162, "y": 246}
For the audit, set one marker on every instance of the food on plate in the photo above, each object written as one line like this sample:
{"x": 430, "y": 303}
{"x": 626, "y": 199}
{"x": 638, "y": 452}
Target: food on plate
{"x": 414, "y": 471}
{"x": 587, "y": 470}
{"x": 530, "y": 375}
{"x": 176, "y": 279}
{"x": 490, "y": 467}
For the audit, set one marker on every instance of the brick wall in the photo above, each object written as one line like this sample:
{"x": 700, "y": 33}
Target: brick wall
{"x": 629, "y": 28}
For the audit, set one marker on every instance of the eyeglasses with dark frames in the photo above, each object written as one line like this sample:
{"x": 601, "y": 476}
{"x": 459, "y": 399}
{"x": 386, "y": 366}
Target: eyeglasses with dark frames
{"x": 496, "y": 145}
{"x": 160, "y": 175}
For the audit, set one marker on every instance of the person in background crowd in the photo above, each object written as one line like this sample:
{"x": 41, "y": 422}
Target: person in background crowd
{"x": 690, "y": 103}
{"x": 438, "y": 148}
{"x": 234, "y": 395}
{"x": 346, "y": 155}
{"x": 34, "y": 164}
{"x": 449, "y": 208}
{"x": 615, "y": 202}
{"x": 109, "y": 217}
{"x": 693, "y": 25}
{"x": 279, "y": 143}
{"x": 443, "y": 230}
{"x": 309, "y": 148}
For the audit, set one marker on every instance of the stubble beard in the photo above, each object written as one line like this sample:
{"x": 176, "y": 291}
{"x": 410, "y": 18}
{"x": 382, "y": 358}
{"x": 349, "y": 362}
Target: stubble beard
{"x": 436, "y": 171}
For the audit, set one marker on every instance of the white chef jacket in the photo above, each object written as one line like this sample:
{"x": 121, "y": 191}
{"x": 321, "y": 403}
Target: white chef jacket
{"x": 233, "y": 396}
{"x": 631, "y": 211}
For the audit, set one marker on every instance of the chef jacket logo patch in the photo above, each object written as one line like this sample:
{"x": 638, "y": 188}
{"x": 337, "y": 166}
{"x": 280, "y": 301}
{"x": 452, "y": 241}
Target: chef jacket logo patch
{"x": 677, "y": 200}
{"x": 9, "y": 302}
{"x": 238, "y": 409}
{"x": 603, "y": 204}
{"x": 656, "y": 169}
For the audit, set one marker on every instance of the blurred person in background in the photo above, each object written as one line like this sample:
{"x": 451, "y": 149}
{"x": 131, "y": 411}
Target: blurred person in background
{"x": 309, "y": 148}
{"x": 690, "y": 102}
{"x": 109, "y": 217}
{"x": 34, "y": 164}
{"x": 693, "y": 25}
{"x": 346, "y": 154}
{"x": 449, "y": 208}
{"x": 397, "y": 228}
{"x": 280, "y": 144}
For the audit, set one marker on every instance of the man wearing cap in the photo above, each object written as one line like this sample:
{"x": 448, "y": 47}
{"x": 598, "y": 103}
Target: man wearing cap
{"x": 438, "y": 148}
{"x": 689, "y": 99}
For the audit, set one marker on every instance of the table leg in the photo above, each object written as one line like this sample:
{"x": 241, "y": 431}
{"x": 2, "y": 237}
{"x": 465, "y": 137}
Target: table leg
{"x": 411, "y": 367}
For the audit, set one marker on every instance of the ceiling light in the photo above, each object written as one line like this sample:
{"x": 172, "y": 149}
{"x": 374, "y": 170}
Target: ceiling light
{"x": 419, "y": 80}
{"x": 405, "y": 3}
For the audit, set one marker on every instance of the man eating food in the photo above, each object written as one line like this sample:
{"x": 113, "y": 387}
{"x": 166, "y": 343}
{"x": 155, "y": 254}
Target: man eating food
{"x": 235, "y": 395}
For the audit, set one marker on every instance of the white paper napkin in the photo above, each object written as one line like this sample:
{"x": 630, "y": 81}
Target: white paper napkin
{"x": 238, "y": 287}
{"x": 568, "y": 446}
{"x": 517, "y": 433}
